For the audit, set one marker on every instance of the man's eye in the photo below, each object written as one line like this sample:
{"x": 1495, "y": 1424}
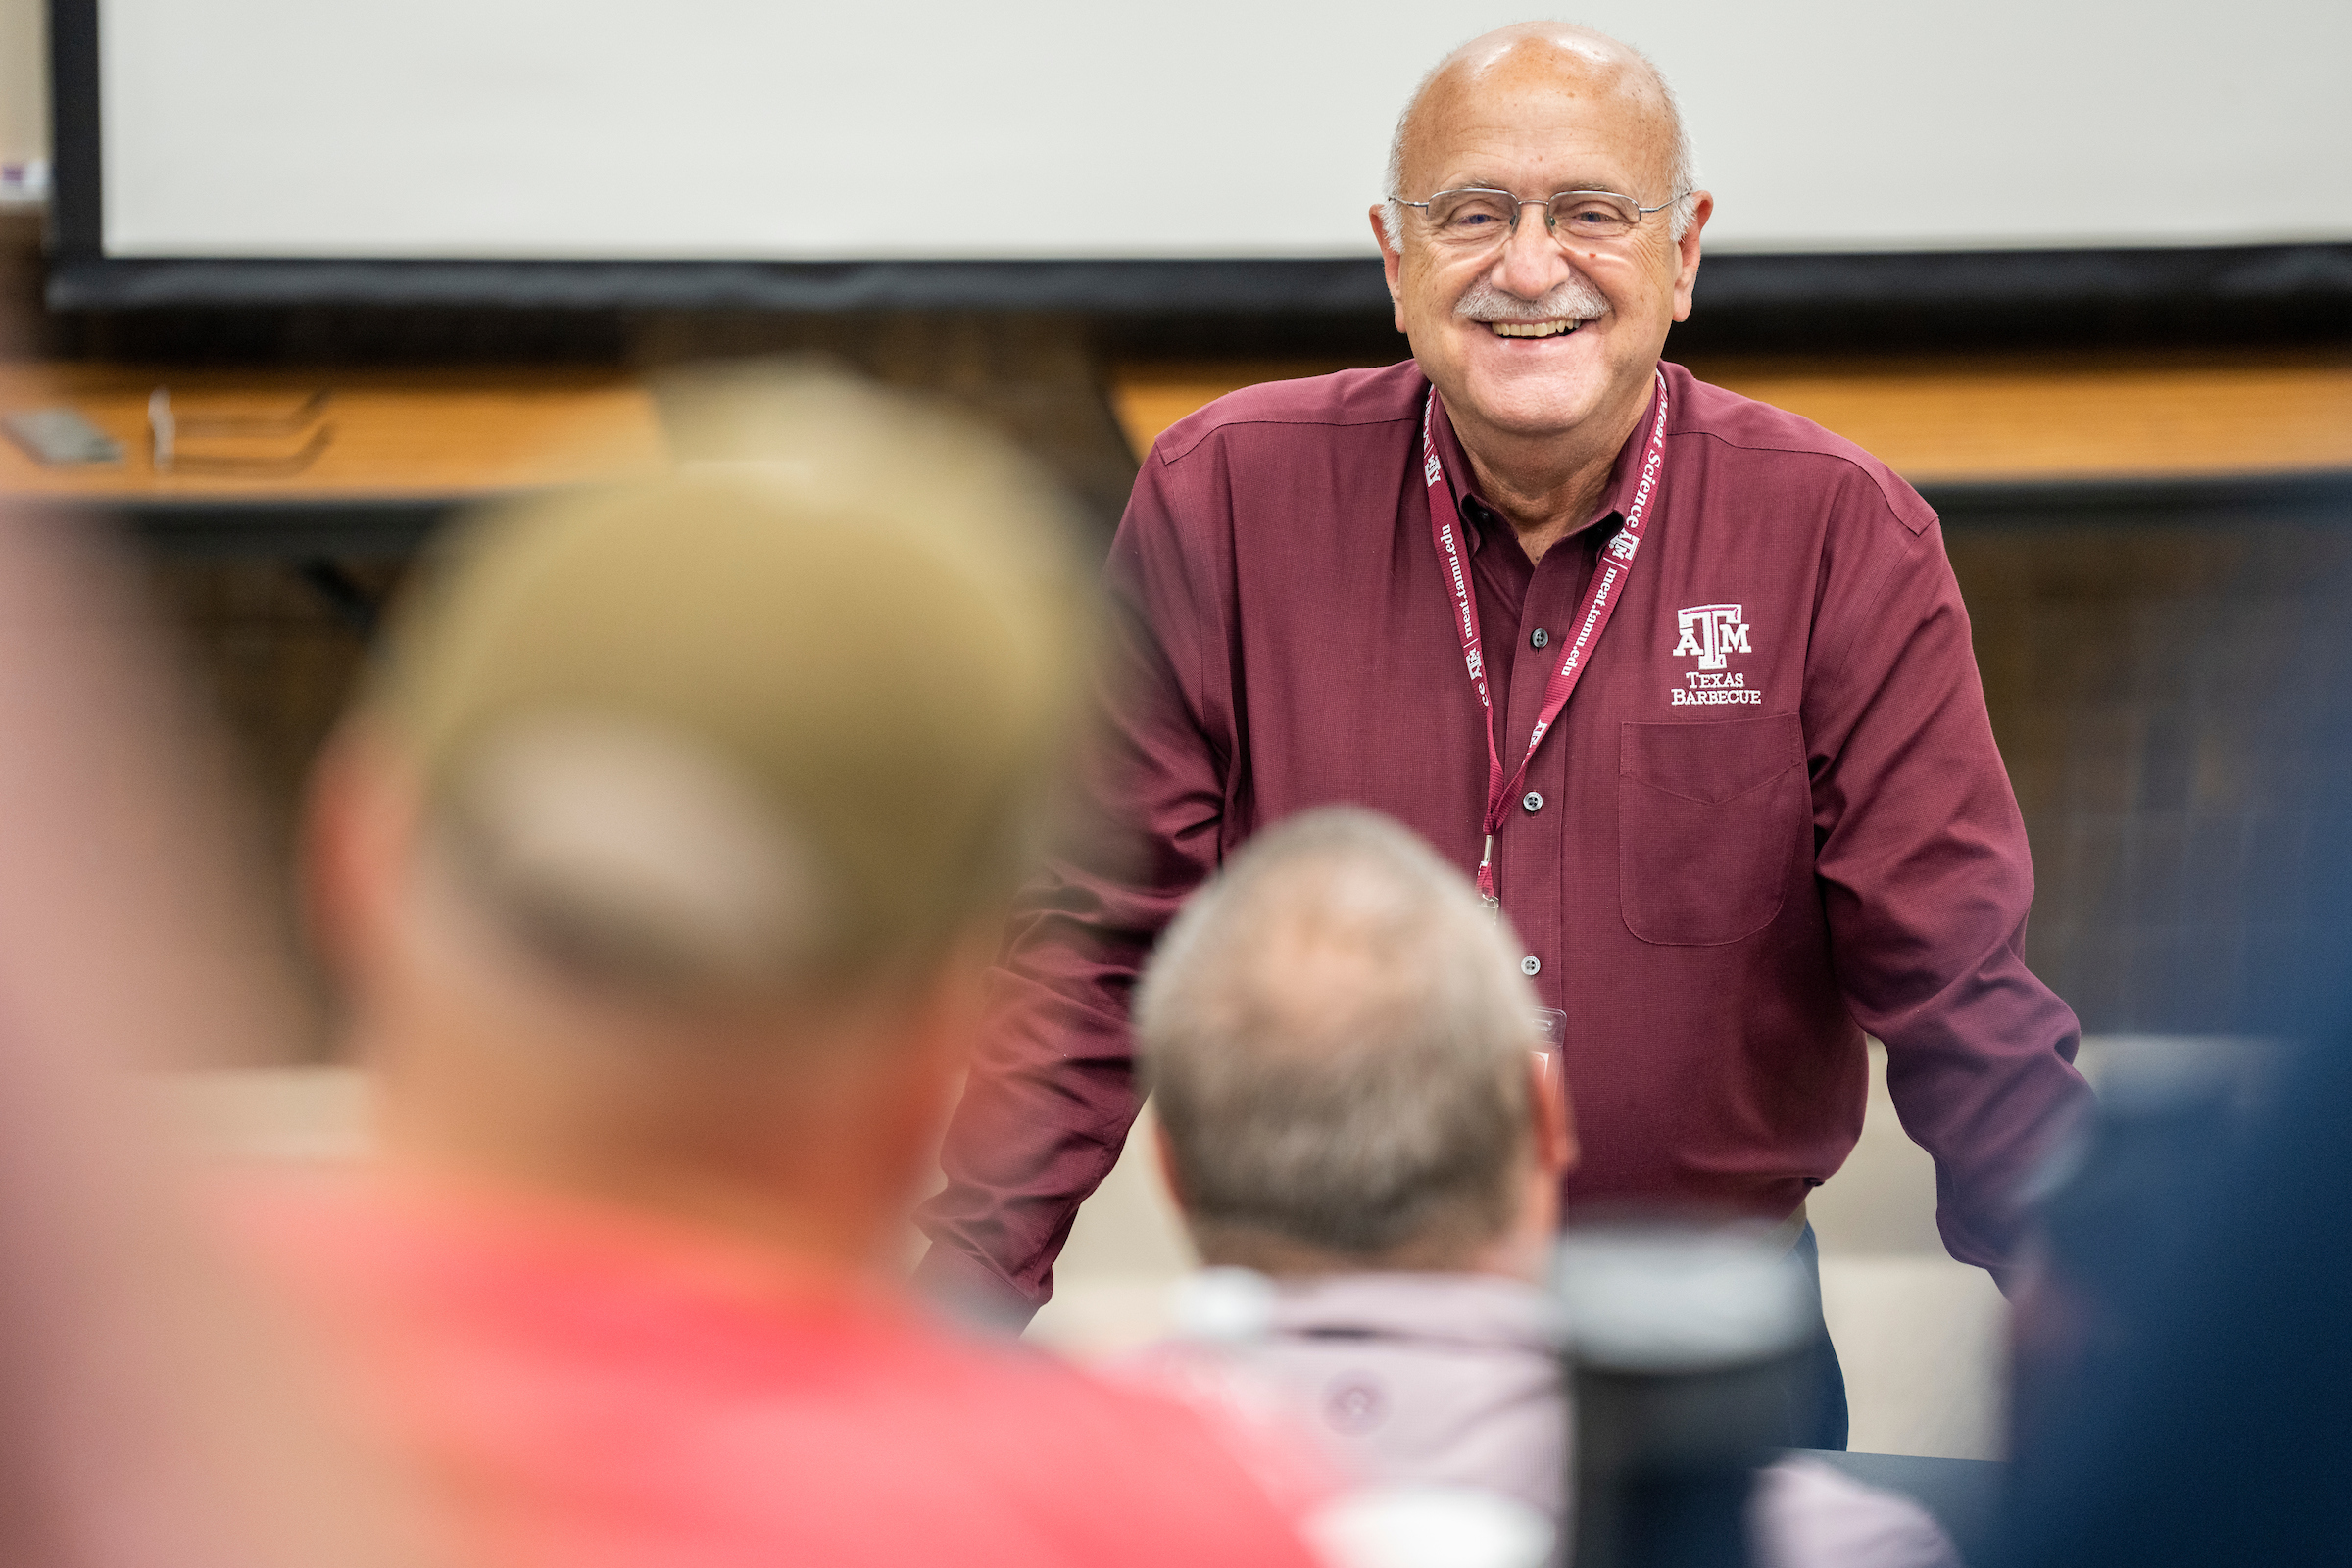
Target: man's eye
{"x": 1471, "y": 218}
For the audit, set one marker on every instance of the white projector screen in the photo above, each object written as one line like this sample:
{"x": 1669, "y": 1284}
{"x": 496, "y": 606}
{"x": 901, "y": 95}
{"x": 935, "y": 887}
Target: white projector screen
{"x": 753, "y": 129}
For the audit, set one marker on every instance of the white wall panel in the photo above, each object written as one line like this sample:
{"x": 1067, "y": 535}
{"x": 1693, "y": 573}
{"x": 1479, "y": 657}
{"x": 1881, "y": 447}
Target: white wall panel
{"x": 892, "y": 128}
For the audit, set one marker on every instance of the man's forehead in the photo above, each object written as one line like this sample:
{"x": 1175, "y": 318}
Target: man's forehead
{"x": 1563, "y": 102}
{"x": 1514, "y": 139}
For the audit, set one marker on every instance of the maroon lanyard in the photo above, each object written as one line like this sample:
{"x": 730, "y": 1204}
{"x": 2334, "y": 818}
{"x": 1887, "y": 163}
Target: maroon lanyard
{"x": 1591, "y": 618}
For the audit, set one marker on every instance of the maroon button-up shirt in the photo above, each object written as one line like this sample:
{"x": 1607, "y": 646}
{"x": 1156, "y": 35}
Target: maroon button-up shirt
{"x": 1771, "y": 817}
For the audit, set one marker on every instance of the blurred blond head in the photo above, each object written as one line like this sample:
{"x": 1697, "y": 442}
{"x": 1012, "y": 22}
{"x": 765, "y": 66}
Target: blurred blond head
{"x": 661, "y": 857}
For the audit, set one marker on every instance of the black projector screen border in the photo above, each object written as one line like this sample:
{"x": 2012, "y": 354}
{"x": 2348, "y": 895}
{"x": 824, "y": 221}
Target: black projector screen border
{"x": 2292, "y": 277}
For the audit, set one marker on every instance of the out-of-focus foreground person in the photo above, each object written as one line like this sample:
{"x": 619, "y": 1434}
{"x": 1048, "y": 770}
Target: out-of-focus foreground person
{"x": 154, "y": 1414}
{"x": 2180, "y": 1362}
{"x": 2200, "y": 1352}
{"x": 1344, "y": 1055}
{"x": 660, "y": 868}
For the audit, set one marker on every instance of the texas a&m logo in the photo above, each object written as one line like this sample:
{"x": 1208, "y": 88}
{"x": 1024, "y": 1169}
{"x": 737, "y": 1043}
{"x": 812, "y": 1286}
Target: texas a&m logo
{"x": 1712, "y": 634}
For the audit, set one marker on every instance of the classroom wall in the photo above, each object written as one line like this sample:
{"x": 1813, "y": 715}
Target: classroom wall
{"x": 2171, "y": 697}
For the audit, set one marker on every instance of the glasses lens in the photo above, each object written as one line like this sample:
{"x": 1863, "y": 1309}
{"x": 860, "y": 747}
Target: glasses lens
{"x": 1471, "y": 217}
{"x": 1594, "y": 215}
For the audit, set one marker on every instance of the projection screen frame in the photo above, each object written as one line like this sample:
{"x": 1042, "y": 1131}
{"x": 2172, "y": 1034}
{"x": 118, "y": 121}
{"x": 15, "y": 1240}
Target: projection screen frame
{"x": 83, "y": 277}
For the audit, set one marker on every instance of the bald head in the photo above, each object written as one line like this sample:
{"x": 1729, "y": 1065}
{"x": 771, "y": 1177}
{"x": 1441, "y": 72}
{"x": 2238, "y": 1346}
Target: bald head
{"x": 1535, "y": 55}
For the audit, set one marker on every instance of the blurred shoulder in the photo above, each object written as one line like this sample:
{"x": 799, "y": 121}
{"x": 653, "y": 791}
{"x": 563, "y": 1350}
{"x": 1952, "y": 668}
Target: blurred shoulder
{"x": 1135, "y": 1459}
{"x": 1303, "y": 412}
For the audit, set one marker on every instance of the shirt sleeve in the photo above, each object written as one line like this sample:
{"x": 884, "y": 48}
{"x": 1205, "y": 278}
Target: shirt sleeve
{"x": 1925, "y": 873}
{"x": 1052, "y": 1092}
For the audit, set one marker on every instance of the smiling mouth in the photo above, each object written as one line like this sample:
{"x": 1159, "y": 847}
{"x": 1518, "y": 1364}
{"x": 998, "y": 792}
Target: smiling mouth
{"x": 1555, "y": 328}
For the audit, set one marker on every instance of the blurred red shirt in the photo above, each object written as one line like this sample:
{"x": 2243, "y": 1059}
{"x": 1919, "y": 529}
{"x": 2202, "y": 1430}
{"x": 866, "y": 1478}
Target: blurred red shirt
{"x": 588, "y": 1389}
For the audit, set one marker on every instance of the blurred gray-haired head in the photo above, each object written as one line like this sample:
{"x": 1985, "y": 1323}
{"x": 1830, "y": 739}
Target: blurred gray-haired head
{"x": 1339, "y": 1037}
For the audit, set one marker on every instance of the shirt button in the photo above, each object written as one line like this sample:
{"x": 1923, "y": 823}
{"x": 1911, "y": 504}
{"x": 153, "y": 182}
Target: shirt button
{"x": 1533, "y": 801}
{"x": 1539, "y": 637}
{"x": 1530, "y": 964}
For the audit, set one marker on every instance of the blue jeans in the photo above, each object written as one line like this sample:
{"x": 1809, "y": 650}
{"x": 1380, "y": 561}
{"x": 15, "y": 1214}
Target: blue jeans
{"x": 1816, "y": 1413}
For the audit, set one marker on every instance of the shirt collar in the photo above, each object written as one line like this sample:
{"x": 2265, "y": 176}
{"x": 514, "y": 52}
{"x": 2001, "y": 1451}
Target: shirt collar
{"x": 1617, "y": 495}
{"x": 1475, "y": 512}
{"x": 1483, "y": 1308}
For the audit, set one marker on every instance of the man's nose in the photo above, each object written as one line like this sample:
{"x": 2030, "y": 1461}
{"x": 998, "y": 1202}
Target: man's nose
{"x": 1531, "y": 263}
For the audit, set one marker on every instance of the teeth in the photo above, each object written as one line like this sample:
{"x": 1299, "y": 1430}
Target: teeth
{"x": 1533, "y": 328}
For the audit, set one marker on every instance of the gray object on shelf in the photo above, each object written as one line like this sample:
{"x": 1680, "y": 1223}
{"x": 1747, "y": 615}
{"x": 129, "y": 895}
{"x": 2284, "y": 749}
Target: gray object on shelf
{"x": 61, "y": 437}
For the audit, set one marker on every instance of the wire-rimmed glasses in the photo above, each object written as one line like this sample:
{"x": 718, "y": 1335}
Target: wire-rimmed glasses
{"x": 1475, "y": 217}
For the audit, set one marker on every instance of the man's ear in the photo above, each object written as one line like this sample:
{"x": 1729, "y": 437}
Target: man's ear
{"x": 359, "y": 823}
{"x": 1390, "y": 259}
{"x": 1686, "y": 278}
{"x": 1554, "y": 1122}
{"x": 1164, "y": 1150}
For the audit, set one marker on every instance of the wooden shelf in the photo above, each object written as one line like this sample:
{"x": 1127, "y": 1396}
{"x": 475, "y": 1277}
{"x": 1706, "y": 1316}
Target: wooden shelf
{"x": 1948, "y": 421}
{"x": 398, "y": 434}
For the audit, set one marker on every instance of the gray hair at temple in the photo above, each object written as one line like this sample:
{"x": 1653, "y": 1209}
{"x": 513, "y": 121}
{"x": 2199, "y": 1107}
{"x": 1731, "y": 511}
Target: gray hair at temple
{"x": 1682, "y": 166}
{"x": 1337, "y": 1036}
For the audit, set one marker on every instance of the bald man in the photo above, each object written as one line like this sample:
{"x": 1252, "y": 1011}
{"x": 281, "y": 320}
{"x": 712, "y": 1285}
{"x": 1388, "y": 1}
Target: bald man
{"x": 1683, "y": 680}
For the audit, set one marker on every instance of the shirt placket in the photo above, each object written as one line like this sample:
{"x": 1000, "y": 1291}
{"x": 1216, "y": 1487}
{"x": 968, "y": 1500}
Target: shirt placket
{"x": 1532, "y": 847}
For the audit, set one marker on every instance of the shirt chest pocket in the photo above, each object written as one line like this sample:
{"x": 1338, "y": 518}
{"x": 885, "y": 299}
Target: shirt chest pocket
{"x": 1709, "y": 818}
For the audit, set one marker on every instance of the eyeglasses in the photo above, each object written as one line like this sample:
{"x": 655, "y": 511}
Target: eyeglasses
{"x": 1475, "y": 218}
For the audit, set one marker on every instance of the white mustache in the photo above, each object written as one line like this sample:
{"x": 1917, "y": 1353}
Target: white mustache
{"x": 1571, "y": 298}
